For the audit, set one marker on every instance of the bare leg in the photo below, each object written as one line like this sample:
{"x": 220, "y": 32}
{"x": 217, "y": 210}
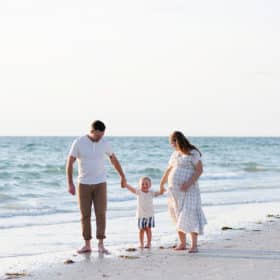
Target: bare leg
{"x": 182, "y": 240}
{"x": 149, "y": 237}
{"x": 86, "y": 248}
{"x": 141, "y": 238}
{"x": 101, "y": 248}
{"x": 193, "y": 248}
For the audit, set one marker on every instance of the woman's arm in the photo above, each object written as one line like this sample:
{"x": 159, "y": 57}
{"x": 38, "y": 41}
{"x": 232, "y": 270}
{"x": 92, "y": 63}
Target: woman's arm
{"x": 165, "y": 177}
{"x": 194, "y": 178}
{"x": 160, "y": 192}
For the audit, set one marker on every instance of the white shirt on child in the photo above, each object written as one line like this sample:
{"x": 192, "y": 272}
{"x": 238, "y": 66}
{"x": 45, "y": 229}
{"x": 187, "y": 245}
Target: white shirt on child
{"x": 145, "y": 206}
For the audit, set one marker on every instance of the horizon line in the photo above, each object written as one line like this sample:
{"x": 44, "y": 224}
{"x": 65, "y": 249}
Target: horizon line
{"x": 123, "y": 136}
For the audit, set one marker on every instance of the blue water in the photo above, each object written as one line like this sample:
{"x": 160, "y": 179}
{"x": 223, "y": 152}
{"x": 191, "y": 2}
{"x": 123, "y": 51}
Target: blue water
{"x": 33, "y": 191}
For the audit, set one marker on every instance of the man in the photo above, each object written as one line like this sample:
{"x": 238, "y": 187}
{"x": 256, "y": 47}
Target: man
{"x": 90, "y": 151}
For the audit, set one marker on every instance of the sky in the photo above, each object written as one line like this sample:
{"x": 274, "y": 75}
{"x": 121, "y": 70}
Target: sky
{"x": 146, "y": 68}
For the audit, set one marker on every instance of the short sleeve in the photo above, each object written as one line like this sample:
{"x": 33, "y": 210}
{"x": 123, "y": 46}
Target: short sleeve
{"x": 109, "y": 151}
{"x": 172, "y": 159}
{"x": 137, "y": 192}
{"x": 74, "y": 150}
{"x": 195, "y": 157}
{"x": 153, "y": 194}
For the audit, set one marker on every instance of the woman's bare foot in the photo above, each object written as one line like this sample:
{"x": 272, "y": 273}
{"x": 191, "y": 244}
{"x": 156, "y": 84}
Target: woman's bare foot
{"x": 84, "y": 250}
{"x": 141, "y": 246}
{"x": 193, "y": 250}
{"x": 180, "y": 247}
{"x": 148, "y": 246}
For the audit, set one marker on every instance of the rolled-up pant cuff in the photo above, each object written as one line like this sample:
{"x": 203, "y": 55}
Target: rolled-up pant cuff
{"x": 100, "y": 236}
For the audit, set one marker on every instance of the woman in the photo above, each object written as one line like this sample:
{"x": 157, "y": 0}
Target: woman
{"x": 182, "y": 173}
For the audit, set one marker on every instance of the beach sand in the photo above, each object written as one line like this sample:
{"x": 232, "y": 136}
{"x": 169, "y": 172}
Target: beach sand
{"x": 248, "y": 254}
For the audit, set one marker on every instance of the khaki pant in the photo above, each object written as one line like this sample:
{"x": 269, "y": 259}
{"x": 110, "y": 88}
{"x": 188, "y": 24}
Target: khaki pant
{"x": 96, "y": 194}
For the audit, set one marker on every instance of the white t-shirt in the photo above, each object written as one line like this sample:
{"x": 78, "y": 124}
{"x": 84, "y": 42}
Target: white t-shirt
{"x": 91, "y": 159}
{"x": 145, "y": 206}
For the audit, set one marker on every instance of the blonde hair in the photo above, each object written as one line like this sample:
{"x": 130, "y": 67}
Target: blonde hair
{"x": 145, "y": 178}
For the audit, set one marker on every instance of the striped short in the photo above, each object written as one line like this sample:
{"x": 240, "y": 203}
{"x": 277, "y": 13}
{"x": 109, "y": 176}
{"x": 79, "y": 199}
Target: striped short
{"x": 146, "y": 222}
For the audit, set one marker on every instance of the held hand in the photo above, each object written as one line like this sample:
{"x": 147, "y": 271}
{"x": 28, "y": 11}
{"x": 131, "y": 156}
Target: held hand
{"x": 71, "y": 189}
{"x": 185, "y": 187}
{"x": 162, "y": 189}
{"x": 123, "y": 182}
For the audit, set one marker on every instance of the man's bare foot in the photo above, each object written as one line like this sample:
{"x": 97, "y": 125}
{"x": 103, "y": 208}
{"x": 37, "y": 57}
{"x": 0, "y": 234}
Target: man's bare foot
{"x": 102, "y": 250}
{"x": 84, "y": 250}
{"x": 193, "y": 250}
{"x": 180, "y": 247}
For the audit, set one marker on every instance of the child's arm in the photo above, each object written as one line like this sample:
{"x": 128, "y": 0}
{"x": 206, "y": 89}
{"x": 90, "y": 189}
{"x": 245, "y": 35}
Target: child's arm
{"x": 130, "y": 188}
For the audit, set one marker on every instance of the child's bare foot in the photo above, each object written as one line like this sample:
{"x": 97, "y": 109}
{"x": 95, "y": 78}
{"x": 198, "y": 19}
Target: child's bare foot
{"x": 180, "y": 247}
{"x": 84, "y": 250}
{"x": 193, "y": 250}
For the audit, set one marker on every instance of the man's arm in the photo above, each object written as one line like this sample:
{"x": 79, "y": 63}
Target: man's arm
{"x": 115, "y": 162}
{"x": 69, "y": 174}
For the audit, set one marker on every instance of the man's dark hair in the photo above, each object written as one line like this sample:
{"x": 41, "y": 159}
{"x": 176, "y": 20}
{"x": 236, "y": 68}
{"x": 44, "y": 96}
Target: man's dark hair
{"x": 98, "y": 125}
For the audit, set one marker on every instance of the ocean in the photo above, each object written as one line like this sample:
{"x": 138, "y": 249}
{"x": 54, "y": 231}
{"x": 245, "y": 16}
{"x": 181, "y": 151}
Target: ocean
{"x": 239, "y": 187}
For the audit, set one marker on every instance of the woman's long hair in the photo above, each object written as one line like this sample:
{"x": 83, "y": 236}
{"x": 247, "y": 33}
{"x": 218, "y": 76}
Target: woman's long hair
{"x": 183, "y": 143}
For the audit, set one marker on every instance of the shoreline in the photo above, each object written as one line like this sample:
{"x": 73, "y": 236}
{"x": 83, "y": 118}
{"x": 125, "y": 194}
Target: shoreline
{"x": 239, "y": 255}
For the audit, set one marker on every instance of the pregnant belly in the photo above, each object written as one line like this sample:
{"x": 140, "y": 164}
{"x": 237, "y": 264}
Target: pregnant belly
{"x": 179, "y": 176}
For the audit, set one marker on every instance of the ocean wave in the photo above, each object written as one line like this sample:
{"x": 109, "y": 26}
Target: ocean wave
{"x": 29, "y": 165}
{"x": 39, "y": 223}
{"x": 256, "y": 167}
{"x": 150, "y": 171}
{"x": 42, "y": 168}
{"x": 31, "y": 212}
{"x": 53, "y": 169}
{"x": 34, "y": 195}
{"x": 5, "y": 174}
{"x": 253, "y": 167}
{"x": 220, "y": 176}
{"x": 5, "y": 165}
{"x": 29, "y": 147}
{"x": 6, "y": 197}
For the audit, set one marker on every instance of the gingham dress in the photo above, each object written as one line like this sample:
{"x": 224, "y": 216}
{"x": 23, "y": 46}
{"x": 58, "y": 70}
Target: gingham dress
{"x": 185, "y": 207}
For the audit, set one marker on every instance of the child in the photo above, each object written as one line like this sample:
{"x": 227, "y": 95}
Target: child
{"x": 145, "y": 209}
